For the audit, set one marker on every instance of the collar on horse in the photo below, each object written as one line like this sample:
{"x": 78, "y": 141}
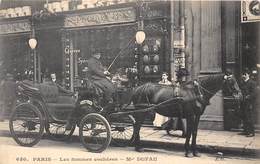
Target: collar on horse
{"x": 199, "y": 94}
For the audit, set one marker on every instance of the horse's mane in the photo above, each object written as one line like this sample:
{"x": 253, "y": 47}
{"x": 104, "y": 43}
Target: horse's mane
{"x": 146, "y": 88}
{"x": 211, "y": 83}
{"x": 211, "y": 80}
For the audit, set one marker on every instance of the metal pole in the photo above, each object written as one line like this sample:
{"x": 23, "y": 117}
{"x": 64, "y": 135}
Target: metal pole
{"x": 34, "y": 56}
{"x": 172, "y": 65}
{"x": 39, "y": 67}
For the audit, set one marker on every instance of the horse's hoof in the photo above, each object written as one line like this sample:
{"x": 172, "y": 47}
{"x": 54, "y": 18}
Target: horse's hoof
{"x": 139, "y": 149}
{"x": 196, "y": 154}
{"x": 188, "y": 155}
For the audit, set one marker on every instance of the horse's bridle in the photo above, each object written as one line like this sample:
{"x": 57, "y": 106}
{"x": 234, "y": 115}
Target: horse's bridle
{"x": 206, "y": 90}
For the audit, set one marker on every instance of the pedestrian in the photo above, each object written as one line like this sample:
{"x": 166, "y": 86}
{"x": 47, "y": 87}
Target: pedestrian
{"x": 164, "y": 80}
{"x": 52, "y": 81}
{"x": 97, "y": 73}
{"x": 159, "y": 120}
{"x": 180, "y": 122}
{"x": 248, "y": 88}
{"x": 181, "y": 74}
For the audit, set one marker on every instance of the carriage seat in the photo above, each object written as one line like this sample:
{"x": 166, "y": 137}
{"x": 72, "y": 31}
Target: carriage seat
{"x": 56, "y": 97}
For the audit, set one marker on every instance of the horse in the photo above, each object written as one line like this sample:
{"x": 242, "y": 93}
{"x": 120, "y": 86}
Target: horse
{"x": 190, "y": 103}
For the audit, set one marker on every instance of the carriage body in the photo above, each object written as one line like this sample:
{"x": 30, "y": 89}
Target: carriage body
{"x": 43, "y": 108}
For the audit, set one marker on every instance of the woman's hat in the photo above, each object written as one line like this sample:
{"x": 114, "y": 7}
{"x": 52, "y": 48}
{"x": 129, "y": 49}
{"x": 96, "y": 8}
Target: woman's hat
{"x": 246, "y": 71}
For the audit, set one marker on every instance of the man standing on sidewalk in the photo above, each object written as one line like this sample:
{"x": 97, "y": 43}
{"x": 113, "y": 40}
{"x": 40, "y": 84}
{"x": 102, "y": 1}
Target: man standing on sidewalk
{"x": 248, "y": 88}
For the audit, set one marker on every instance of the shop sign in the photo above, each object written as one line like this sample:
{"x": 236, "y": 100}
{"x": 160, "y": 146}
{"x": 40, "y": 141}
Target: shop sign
{"x": 101, "y": 17}
{"x": 67, "y": 50}
{"x": 250, "y": 11}
{"x": 15, "y": 27}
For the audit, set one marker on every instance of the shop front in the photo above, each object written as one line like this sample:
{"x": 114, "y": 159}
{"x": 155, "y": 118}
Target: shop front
{"x": 112, "y": 31}
{"x": 14, "y": 55}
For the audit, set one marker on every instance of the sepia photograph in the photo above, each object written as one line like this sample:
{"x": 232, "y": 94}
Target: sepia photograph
{"x": 129, "y": 81}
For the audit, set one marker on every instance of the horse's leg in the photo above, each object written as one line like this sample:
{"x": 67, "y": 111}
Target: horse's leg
{"x": 135, "y": 132}
{"x": 194, "y": 137}
{"x": 190, "y": 122}
{"x": 139, "y": 118}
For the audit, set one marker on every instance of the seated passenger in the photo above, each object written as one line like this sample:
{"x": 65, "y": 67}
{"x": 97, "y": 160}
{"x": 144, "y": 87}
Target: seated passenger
{"x": 53, "y": 81}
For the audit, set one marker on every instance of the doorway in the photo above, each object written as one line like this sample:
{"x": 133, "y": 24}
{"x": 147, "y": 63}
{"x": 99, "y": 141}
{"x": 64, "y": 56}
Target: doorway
{"x": 250, "y": 45}
{"x": 250, "y": 58}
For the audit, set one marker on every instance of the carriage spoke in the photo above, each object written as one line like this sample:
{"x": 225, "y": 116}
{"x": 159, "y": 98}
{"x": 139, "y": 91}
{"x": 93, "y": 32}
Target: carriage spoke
{"x": 94, "y": 132}
{"x": 58, "y": 131}
{"x": 26, "y": 125}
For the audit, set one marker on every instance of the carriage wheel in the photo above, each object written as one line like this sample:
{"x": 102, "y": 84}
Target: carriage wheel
{"x": 26, "y": 125}
{"x": 95, "y": 132}
{"x": 58, "y": 132}
{"x": 122, "y": 129}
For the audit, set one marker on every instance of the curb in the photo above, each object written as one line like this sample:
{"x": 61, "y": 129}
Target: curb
{"x": 236, "y": 151}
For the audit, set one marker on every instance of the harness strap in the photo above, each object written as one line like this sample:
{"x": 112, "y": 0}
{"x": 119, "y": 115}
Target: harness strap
{"x": 149, "y": 107}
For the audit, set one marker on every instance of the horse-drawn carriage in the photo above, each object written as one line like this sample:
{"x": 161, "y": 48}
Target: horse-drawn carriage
{"x": 45, "y": 107}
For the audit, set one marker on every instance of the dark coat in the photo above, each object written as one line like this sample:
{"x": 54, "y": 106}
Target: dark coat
{"x": 248, "y": 89}
{"x": 96, "y": 73}
{"x": 95, "y": 69}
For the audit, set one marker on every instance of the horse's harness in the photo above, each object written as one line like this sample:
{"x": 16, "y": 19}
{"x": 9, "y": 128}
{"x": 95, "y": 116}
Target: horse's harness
{"x": 178, "y": 97}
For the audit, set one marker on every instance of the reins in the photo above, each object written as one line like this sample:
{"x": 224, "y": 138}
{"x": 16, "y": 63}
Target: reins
{"x": 200, "y": 86}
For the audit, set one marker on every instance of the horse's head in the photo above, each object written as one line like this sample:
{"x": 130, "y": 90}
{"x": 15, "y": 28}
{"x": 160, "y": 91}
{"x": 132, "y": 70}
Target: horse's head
{"x": 231, "y": 88}
{"x": 211, "y": 84}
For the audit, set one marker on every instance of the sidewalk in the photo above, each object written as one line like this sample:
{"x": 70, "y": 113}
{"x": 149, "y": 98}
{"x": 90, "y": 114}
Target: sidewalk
{"x": 207, "y": 140}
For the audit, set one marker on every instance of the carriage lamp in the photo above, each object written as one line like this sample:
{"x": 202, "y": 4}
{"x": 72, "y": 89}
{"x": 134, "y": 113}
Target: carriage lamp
{"x": 140, "y": 37}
